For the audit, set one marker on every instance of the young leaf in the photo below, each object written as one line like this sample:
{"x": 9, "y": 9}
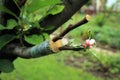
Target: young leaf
{"x": 46, "y": 36}
{"x": 56, "y": 9}
{"x": 2, "y": 27}
{"x": 4, "y": 9}
{"x": 6, "y": 66}
{"x": 34, "y": 39}
{"x": 34, "y": 5}
{"x": 11, "y": 24}
{"x": 5, "y": 39}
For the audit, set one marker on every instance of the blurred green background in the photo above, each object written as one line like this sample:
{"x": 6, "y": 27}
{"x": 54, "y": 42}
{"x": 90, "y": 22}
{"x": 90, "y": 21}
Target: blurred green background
{"x": 99, "y": 63}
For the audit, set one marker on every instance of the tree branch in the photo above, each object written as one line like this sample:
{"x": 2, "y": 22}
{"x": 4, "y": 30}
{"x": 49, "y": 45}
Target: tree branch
{"x": 71, "y": 27}
{"x": 43, "y": 49}
{"x": 71, "y": 48}
{"x": 71, "y": 7}
{"x": 31, "y": 52}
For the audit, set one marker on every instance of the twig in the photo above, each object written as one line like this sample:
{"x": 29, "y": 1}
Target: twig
{"x": 71, "y": 27}
{"x": 71, "y": 48}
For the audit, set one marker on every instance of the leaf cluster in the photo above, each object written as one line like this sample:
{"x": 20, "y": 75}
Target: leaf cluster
{"x": 30, "y": 15}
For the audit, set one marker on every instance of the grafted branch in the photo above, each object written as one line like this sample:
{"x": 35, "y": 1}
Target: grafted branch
{"x": 71, "y": 7}
{"x": 13, "y": 50}
{"x": 31, "y": 52}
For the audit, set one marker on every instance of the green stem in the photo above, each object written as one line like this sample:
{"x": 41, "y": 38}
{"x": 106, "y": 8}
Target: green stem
{"x": 17, "y": 5}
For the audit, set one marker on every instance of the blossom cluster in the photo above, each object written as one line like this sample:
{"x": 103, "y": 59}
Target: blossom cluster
{"x": 89, "y": 43}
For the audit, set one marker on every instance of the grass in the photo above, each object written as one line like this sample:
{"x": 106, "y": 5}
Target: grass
{"x": 46, "y": 68}
{"x": 99, "y": 62}
{"x": 82, "y": 66}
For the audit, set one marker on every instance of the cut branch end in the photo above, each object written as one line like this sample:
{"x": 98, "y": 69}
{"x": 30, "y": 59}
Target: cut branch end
{"x": 87, "y": 17}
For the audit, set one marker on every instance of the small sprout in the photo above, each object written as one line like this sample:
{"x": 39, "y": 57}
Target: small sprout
{"x": 26, "y": 27}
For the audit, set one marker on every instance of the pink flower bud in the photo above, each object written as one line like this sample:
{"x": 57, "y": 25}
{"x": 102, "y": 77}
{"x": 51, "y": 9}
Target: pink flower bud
{"x": 87, "y": 41}
{"x": 90, "y": 47}
{"x": 84, "y": 45}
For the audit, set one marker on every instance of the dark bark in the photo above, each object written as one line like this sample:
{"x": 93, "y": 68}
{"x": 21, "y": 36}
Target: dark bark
{"x": 71, "y": 7}
{"x": 24, "y": 52}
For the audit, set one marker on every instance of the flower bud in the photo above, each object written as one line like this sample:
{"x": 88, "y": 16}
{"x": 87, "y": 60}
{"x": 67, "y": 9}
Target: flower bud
{"x": 92, "y": 42}
{"x": 87, "y": 41}
{"x": 84, "y": 45}
{"x": 90, "y": 47}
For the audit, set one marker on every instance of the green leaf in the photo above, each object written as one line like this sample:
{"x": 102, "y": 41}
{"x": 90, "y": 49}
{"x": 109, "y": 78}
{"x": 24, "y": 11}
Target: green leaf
{"x": 2, "y": 27}
{"x": 56, "y": 9}
{"x": 11, "y": 24}
{"x": 34, "y": 39}
{"x": 46, "y": 36}
{"x": 49, "y": 28}
{"x": 34, "y": 5}
{"x": 5, "y": 39}
{"x": 36, "y": 24}
{"x": 6, "y": 66}
{"x": 4, "y": 9}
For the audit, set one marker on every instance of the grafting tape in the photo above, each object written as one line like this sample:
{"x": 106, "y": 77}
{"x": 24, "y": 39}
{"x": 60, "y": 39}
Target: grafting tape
{"x": 40, "y": 50}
